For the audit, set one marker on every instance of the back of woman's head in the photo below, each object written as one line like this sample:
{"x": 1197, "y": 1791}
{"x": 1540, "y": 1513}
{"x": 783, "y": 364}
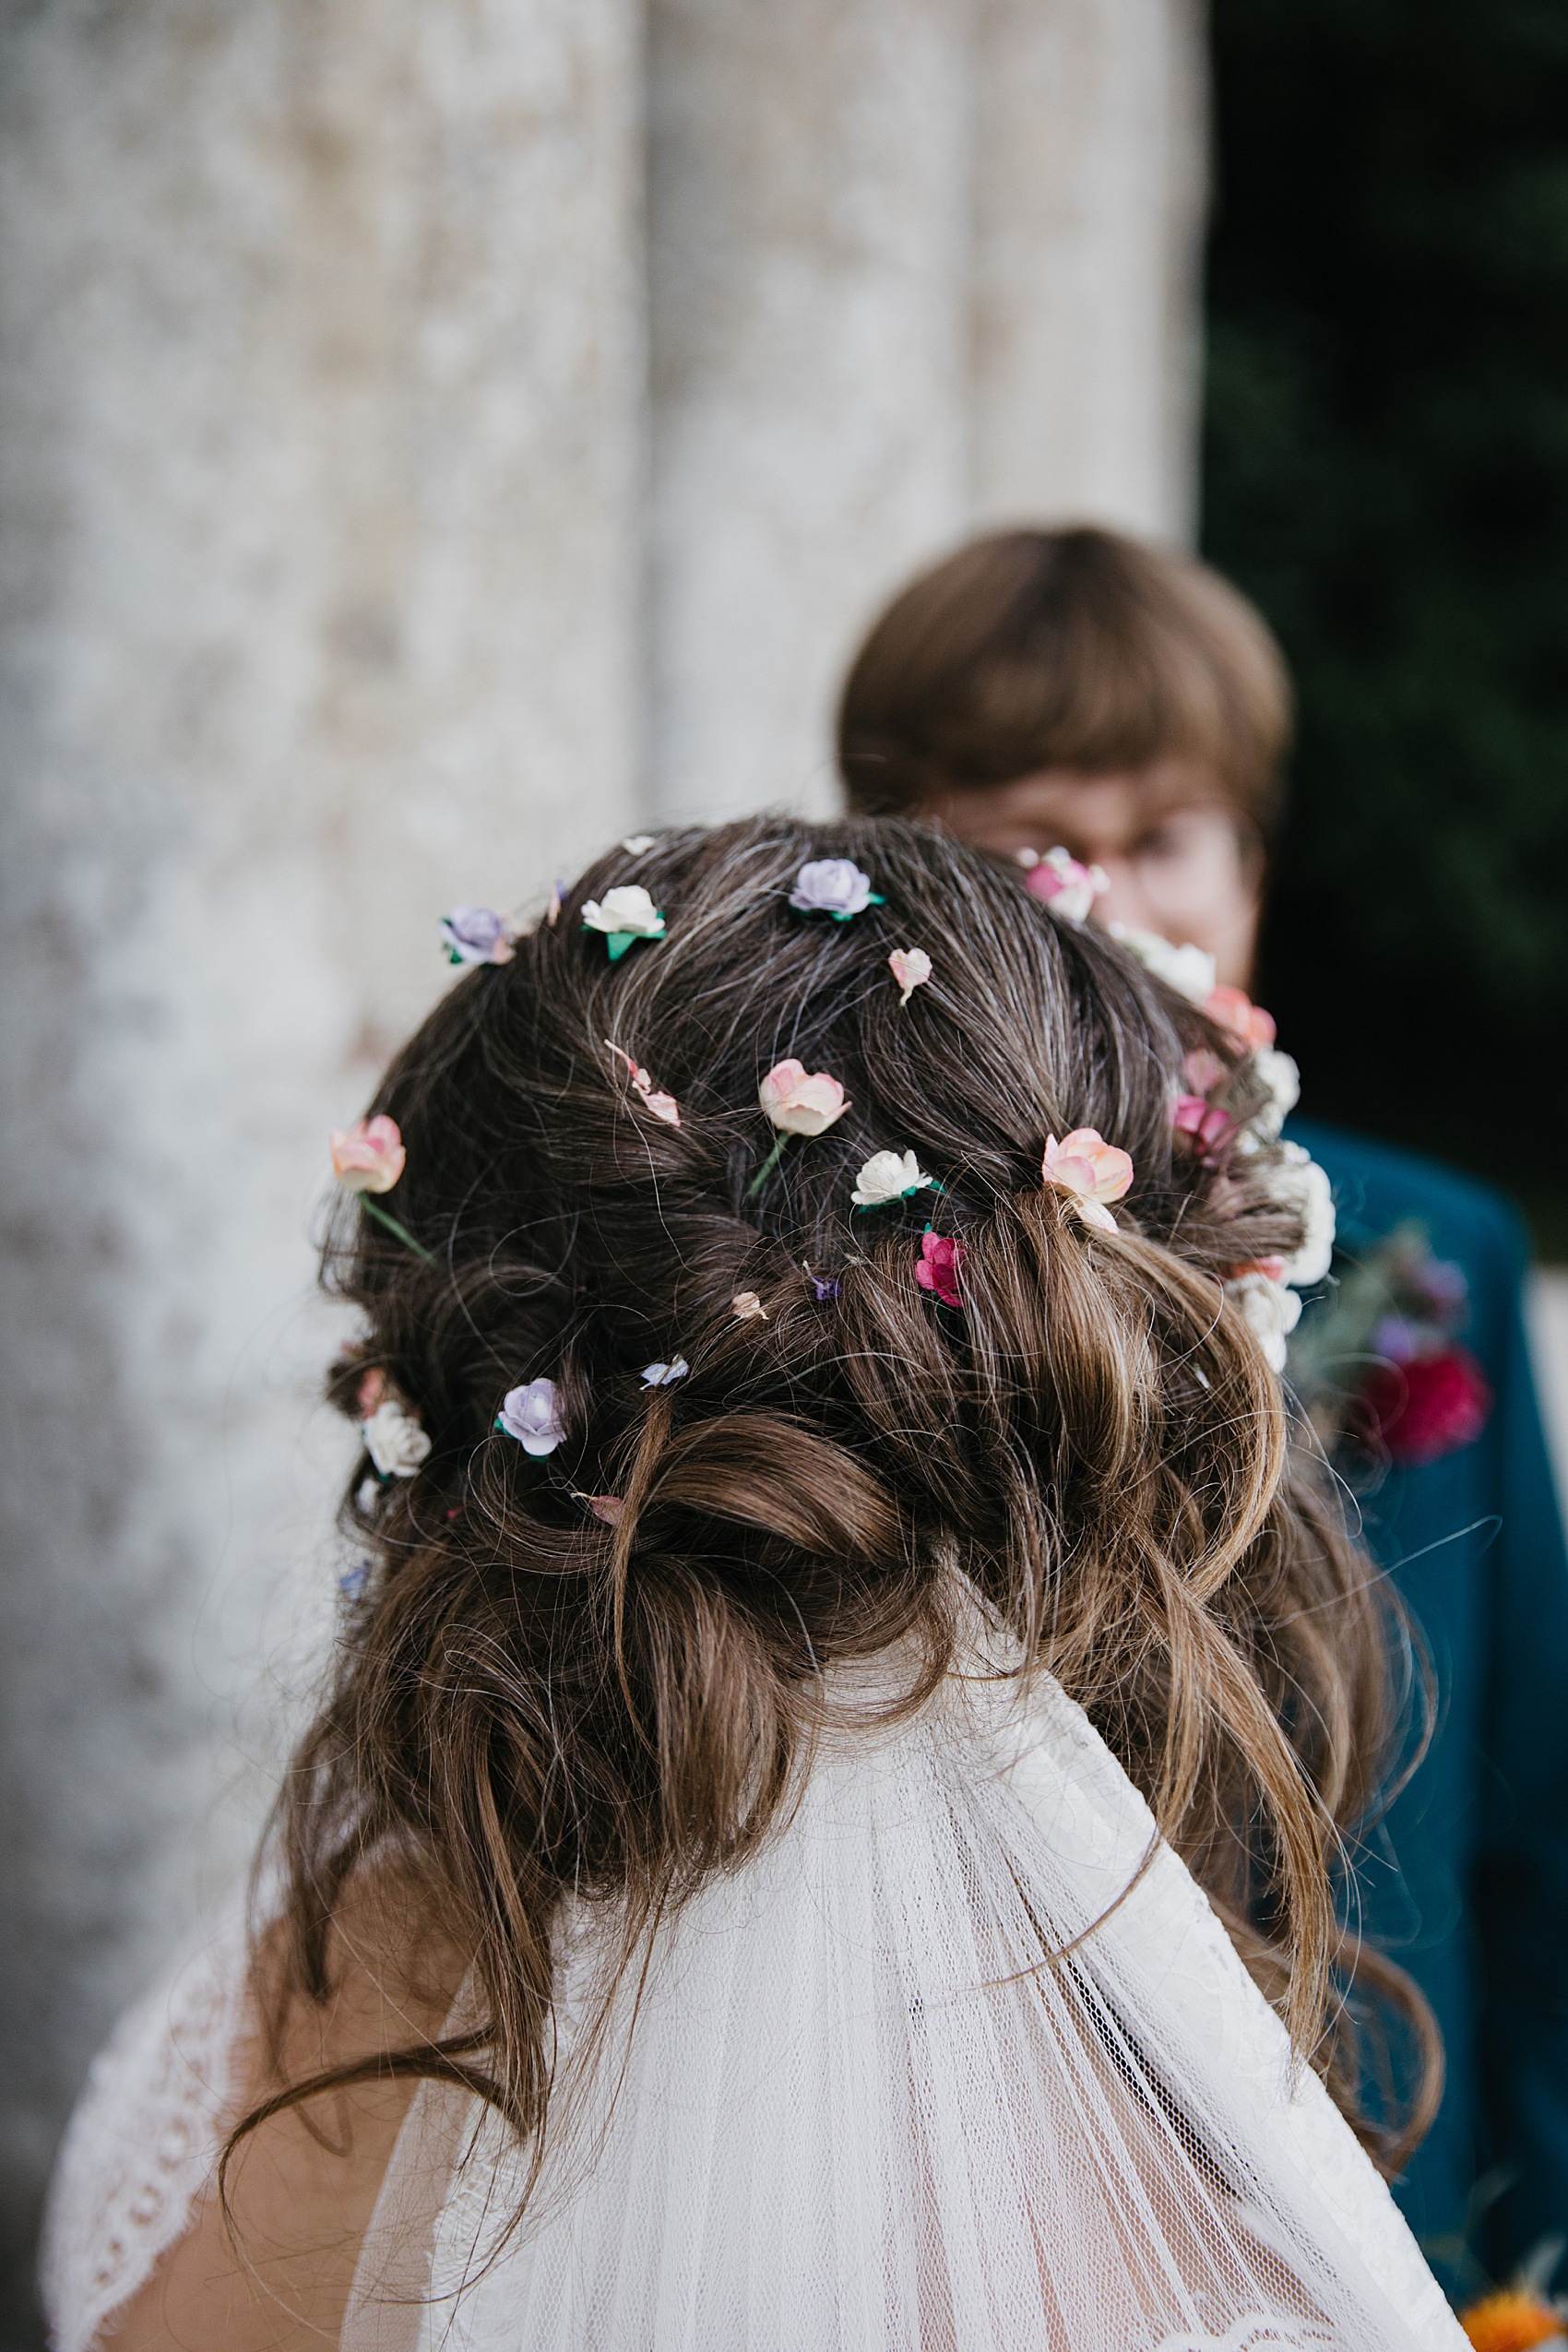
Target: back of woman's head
{"x": 596, "y": 1668}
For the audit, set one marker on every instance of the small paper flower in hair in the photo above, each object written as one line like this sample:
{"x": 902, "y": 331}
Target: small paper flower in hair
{"x": 394, "y": 1439}
{"x": 624, "y": 915}
{"x": 607, "y": 1507}
{"x": 746, "y": 1307}
{"x": 1068, "y": 889}
{"x": 1189, "y": 970}
{"x": 911, "y": 968}
{"x": 797, "y": 1104}
{"x": 476, "y": 935}
{"x": 1204, "y": 1069}
{"x": 889, "y": 1176}
{"x": 533, "y": 1416}
{"x": 1232, "y": 1009}
{"x": 834, "y": 886}
{"x": 369, "y": 1156}
{"x": 939, "y": 1266}
{"x": 1090, "y": 1171}
{"x": 662, "y": 1106}
{"x": 826, "y": 1285}
{"x": 637, "y": 845}
{"x": 557, "y": 900}
{"x": 665, "y": 1375}
{"x": 1270, "y": 1310}
{"x": 1209, "y": 1127}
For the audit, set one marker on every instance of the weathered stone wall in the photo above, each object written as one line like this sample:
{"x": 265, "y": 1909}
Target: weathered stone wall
{"x": 359, "y": 553}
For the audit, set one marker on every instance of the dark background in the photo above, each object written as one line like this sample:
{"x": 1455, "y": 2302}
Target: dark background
{"x": 1386, "y": 473}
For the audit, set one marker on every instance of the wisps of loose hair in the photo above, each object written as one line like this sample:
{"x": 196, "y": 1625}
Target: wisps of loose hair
{"x": 528, "y": 1701}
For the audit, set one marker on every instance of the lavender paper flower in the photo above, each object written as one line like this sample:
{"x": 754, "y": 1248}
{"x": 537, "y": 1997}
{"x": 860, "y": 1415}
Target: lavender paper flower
{"x": 834, "y": 886}
{"x": 533, "y": 1416}
{"x": 476, "y": 935}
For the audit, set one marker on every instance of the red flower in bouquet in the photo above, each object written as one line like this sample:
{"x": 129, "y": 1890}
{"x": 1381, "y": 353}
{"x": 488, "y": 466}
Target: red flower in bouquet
{"x": 1426, "y": 1406}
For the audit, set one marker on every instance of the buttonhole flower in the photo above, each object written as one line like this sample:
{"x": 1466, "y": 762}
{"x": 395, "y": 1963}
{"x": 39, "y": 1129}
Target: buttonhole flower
{"x": 1270, "y": 1310}
{"x": 367, "y": 1158}
{"x": 1189, "y": 970}
{"x": 939, "y": 1265}
{"x": 797, "y": 1104}
{"x": 834, "y": 886}
{"x": 624, "y": 915}
{"x": 665, "y": 1375}
{"x": 1068, "y": 889}
{"x": 394, "y": 1439}
{"x": 746, "y": 1307}
{"x": 662, "y": 1106}
{"x": 1209, "y": 1127}
{"x": 911, "y": 968}
{"x": 1090, "y": 1171}
{"x": 533, "y": 1416}
{"x": 637, "y": 845}
{"x": 1232, "y": 1009}
{"x": 476, "y": 935}
{"x": 889, "y": 1176}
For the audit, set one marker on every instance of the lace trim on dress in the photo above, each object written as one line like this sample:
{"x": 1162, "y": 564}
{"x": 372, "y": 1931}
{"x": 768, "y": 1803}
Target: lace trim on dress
{"x": 143, "y": 2143}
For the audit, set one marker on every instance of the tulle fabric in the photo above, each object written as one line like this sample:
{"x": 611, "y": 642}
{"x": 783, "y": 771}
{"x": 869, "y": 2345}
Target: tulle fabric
{"x": 960, "y": 2062}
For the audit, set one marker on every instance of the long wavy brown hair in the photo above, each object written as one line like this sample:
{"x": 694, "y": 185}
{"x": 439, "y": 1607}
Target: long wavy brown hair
{"x": 543, "y": 1691}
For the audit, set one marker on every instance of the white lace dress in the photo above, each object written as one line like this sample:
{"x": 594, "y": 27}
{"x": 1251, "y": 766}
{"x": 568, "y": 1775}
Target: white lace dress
{"x": 960, "y": 2062}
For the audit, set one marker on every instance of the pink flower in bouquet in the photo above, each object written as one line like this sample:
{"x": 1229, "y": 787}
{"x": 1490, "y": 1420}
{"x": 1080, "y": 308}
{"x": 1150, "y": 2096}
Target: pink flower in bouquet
{"x": 1427, "y": 1406}
{"x": 1068, "y": 889}
{"x": 1232, "y": 1009}
{"x": 797, "y": 1104}
{"x": 939, "y": 1265}
{"x": 1090, "y": 1170}
{"x": 1209, "y": 1127}
{"x": 370, "y": 1156}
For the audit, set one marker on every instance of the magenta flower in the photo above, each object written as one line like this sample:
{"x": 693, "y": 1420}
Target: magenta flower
{"x": 1209, "y": 1127}
{"x": 1067, "y": 887}
{"x": 939, "y": 1265}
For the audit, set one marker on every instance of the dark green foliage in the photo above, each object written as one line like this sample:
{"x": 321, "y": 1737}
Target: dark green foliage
{"x": 1386, "y": 473}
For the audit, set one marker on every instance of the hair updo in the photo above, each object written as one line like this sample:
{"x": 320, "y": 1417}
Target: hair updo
{"x": 597, "y": 1671}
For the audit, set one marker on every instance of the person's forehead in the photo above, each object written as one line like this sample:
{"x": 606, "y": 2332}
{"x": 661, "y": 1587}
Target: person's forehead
{"x": 1123, "y": 796}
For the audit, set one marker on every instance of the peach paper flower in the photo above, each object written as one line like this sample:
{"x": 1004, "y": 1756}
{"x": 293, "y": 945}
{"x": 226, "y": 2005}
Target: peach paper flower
{"x": 798, "y": 1105}
{"x": 1233, "y": 1009}
{"x": 1090, "y": 1171}
{"x": 911, "y": 968}
{"x": 662, "y": 1106}
{"x": 370, "y": 1156}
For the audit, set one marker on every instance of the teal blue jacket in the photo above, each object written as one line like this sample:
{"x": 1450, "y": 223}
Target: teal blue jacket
{"x": 1466, "y": 1880}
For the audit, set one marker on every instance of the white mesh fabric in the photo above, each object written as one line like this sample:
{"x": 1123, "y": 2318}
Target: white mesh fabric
{"x": 849, "y": 2107}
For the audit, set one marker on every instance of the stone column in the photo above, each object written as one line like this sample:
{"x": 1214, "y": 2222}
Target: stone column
{"x": 1089, "y": 186}
{"x": 808, "y": 245}
{"x": 320, "y": 453}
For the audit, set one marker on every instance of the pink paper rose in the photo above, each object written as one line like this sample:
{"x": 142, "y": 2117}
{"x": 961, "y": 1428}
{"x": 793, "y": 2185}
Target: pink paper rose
{"x": 1090, "y": 1170}
{"x": 939, "y": 1265}
{"x": 797, "y": 1104}
{"x": 1233, "y": 1009}
{"x": 1209, "y": 1127}
{"x": 1068, "y": 889}
{"x": 370, "y": 1156}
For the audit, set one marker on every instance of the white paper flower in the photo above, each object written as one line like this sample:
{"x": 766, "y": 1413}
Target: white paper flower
{"x": 1279, "y": 1075}
{"x": 665, "y": 1375}
{"x": 1190, "y": 971}
{"x": 1298, "y": 1182}
{"x": 625, "y": 913}
{"x": 533, "y": 1416}
{"x": 888, "y": 1176}
{"x": 637, "y": 845}
{"x": 1271, "y": 1310}
{"x": 394, "y": 1440}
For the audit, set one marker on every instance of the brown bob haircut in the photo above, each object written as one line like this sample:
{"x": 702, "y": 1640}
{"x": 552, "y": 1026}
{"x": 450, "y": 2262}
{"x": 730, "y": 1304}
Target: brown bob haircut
{"x": 1071, "y": 649}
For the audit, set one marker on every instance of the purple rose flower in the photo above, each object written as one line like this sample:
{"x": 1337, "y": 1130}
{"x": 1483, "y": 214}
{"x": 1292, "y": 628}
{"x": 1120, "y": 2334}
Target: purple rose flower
{"x": 833, "y": 886}
{"x": 475, "y": 936}
{"x": 533, "y": 1416}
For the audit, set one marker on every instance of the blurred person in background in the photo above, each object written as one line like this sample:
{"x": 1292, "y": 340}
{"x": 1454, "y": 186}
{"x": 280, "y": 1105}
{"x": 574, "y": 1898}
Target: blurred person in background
{"x": 1115, "y": 718}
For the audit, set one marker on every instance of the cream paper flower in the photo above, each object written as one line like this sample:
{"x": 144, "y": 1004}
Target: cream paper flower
{"x": 665, "y": 1375}
{"x": 1279, "y": 1073}
{"x": 1189, "y": 970}
{"x": 797, "y": 1104}
{"x": 888, "y": 1176}
{"x": 623, "y": 914}
{"x": 1090, "y": 1171}
{"x": 1298, "y": 1182}
{"x": 1270, "y": 1311}
{"x": 394, "y": 1440}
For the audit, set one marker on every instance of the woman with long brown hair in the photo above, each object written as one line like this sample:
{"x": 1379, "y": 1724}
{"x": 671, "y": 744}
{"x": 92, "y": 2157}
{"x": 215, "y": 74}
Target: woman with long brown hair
{"x": 824, "y": 1828}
